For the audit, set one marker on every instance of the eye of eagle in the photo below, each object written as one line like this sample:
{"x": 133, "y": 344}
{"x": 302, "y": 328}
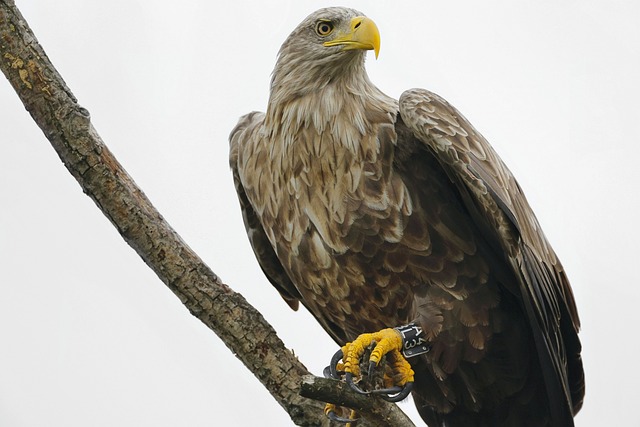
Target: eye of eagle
{"x": 324, "y": 28}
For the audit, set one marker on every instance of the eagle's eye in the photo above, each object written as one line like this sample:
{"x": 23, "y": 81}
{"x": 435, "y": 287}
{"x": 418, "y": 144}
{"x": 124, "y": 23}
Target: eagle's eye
{"x": 324, "y": 28}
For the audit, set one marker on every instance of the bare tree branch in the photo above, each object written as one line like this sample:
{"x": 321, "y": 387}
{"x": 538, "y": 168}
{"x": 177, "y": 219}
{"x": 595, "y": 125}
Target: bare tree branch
{"x": 68, "y": 127}
{"x": 339, "y": 393}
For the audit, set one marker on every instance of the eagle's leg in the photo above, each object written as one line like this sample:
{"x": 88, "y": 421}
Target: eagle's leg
{"x": 387, "y": 342}
{"x": 377, "y": 347}
{"x": 396, "y": 344}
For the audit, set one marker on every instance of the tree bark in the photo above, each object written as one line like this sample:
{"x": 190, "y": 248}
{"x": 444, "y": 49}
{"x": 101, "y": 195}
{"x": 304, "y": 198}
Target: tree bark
{"x": 339, "y": 393}
{"x": 68, "y": 127}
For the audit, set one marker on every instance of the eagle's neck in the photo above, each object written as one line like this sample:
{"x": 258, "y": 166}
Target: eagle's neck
{"x": 337, "y": 99}
{"x": 324, "y": 148}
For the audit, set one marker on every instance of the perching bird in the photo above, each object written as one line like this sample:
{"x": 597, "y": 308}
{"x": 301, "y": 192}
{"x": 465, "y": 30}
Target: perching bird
{"x": 399, "y": 217}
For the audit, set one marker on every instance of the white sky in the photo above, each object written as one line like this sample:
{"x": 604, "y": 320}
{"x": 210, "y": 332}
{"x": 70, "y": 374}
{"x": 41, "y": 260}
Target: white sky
{"x": 90, "y": 336}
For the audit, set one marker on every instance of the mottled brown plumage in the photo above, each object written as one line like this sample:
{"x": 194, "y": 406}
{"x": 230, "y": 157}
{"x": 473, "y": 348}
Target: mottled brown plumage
{"x": 374, "y": 213}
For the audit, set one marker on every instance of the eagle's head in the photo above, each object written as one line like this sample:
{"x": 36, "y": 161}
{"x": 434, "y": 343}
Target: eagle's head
{"x": 328, "y": 45}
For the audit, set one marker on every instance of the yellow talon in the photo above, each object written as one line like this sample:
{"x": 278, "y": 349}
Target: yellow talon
{"x": 393, "y": 383}
{"x": 402, "y": 371}
{"x": 388, "y": 341}
{"x": 329, "y": 407}
{"x": 332, "y": 412}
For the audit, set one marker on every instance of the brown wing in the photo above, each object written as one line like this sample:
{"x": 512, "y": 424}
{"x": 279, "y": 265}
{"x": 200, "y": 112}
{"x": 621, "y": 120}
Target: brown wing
{"x": 502, "y": 213}
{"x": 262, "y": 248}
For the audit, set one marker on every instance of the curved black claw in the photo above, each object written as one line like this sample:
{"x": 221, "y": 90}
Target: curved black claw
{"x": 326, "y": 372}
{"x": 402, "y": 393}
{"x": 333, "y": 366}
{"x": 388, "y": 391}
{"x": 348, "y": 377}
{"x": 334, "y": 417}
{"x": 372, "y": 368}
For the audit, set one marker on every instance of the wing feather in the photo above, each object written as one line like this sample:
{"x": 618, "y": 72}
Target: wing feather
{"x": 502, "y": 213}
{"x": 262, "y": 248}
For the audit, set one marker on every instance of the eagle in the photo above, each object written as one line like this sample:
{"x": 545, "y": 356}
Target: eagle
{"x": 397, "y": 225}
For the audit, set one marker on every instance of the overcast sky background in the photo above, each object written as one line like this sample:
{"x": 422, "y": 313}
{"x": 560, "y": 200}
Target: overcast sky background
{"x": 89, "y": 336}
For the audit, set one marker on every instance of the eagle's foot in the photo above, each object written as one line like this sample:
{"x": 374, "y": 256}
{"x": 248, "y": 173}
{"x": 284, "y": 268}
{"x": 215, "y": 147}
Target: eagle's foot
{"x": 398, "y": 375}
{"x": 331, "y": 411}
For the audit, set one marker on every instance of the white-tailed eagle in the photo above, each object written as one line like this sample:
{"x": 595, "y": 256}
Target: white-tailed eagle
{"x": 398, "y": 220}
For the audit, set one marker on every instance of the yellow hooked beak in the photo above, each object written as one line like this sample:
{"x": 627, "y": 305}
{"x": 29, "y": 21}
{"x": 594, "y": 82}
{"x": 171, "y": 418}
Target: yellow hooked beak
{"x": 364, "y": 34}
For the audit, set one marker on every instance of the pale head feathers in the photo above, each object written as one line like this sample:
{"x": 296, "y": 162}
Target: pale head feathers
{"x": 322, "y": 88}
